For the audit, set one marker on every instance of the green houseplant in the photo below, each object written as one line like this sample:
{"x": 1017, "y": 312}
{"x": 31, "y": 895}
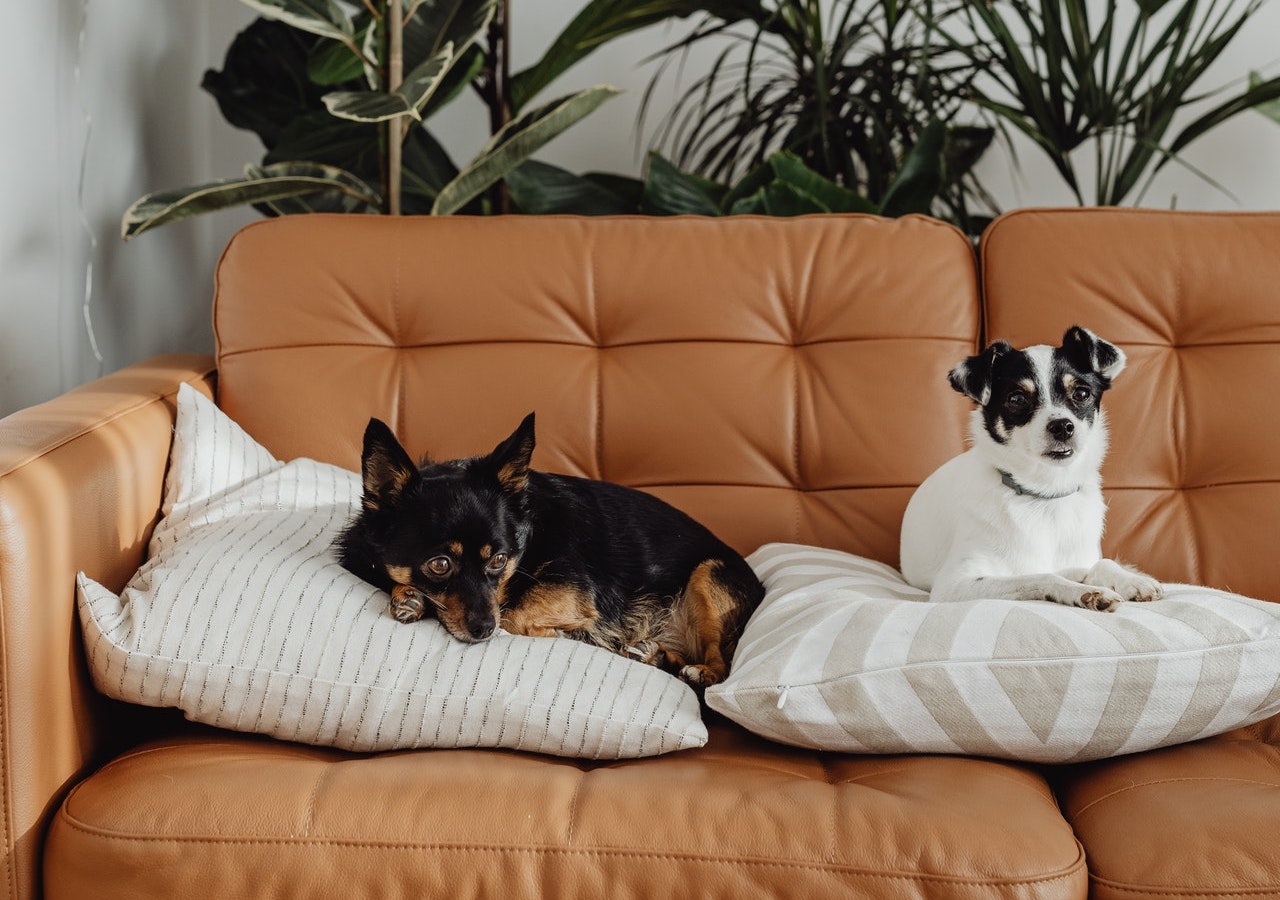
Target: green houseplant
{"x": 1108, "y": 79}
{"x": 808, "y": 107}
{"x": 340, "y": 99}
{"x": 854, "y": 88}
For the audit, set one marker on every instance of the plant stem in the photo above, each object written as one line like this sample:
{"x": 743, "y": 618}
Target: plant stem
{"x": 818, "y": 49}
{"x": 497, "y": 96}
{"x": 395, "y": 127}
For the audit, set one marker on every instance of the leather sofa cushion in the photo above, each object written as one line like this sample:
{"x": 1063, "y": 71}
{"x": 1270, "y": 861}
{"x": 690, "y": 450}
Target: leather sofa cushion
{"x": 229, "y": 816}
{"x": 778, "y": 379}
{"x": 1191, "y": 821}
{"x": 1195, "y": 418}
{"x": 1193, "y": 489}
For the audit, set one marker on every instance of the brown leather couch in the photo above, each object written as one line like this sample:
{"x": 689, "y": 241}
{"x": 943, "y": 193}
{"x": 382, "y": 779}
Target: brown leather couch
{"x": 781, "y": 380}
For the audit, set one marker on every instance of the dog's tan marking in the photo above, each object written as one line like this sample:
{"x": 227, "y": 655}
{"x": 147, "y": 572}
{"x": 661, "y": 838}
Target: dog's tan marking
{"x": 486, "y": 551}
{"x": 452, "y": 615}
{"x": 708, "y": 608}
{"x": 546, "y": 609}
{"x": 1028, "y": 385}
{"x": 514, "y": 473}
{"x": 383, "y": 477}
{"x": 455, "y": 547}
{"x": 400, "y": 574}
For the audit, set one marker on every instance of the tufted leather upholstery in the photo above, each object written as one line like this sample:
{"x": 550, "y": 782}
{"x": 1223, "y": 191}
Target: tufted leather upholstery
{"x": 739, "y": 369}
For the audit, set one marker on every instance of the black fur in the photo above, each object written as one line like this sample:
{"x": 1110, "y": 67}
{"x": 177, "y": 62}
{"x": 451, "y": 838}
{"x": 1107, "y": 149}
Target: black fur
{"x": 487, "y": 539}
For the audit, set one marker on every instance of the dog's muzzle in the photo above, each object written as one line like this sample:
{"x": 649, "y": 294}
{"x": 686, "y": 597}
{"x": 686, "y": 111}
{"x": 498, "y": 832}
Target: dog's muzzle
{"x": 1062, "y": 431}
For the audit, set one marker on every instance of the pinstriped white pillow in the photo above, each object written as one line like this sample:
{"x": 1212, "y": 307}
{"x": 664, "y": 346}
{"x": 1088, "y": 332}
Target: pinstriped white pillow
{"x": 844, "y": 655}
{"x": 243, "y": 619}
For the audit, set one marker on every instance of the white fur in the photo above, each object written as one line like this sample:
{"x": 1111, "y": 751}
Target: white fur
{"x": 966, "y": 535}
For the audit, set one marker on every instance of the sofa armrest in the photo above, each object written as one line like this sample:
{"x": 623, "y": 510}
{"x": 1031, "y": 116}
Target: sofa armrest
{"x": 81, "y": 479}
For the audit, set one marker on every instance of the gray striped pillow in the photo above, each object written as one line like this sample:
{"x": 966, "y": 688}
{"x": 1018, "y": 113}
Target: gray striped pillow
{"x": 844, "y": 655}
{"x": 243, "y": 619}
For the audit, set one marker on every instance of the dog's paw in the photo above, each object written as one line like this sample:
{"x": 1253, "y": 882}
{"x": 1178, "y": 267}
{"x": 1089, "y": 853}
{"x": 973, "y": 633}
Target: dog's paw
{"x": 1129, "y": 583}
{"x": 1142, "y": 589}
{"x": 1101, "y": 600}
{"x": 407, "y": 604}
{"x": 700, "y": 676}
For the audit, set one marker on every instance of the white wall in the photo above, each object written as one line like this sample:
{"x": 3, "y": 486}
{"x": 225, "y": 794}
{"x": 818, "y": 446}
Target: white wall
{"x": 110, "y": 89}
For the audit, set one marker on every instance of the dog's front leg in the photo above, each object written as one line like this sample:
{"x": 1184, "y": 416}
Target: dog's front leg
{"x": 1058, "y": 588}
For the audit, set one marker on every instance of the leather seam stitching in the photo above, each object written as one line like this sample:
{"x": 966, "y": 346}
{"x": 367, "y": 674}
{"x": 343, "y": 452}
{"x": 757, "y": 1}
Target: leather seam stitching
{"x": 1062, "y": 875}
{"x": 1131, "y": 787}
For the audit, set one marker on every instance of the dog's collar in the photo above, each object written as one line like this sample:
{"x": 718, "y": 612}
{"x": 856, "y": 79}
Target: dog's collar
{"x": 1022, "y": 491}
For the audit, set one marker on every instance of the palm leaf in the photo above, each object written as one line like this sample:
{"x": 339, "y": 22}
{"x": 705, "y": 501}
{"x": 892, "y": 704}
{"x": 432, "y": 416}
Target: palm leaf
{"x": 1259, "y": 95}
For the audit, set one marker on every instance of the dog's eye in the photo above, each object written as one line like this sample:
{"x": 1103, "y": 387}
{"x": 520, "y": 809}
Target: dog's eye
{"x": 1016, "y": 402}
{"x": 1081, "y": 395}
{"x": 439, "y": 565}
{"x": 497, "y": 562}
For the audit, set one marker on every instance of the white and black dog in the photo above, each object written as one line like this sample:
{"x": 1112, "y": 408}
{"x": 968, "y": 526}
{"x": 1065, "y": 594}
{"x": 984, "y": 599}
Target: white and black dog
{"x": 1019, "y": 516}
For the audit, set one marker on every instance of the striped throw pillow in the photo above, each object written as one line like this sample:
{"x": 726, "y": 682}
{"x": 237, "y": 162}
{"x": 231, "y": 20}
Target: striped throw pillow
{"x": 844, "y": 655}
{"x": 243, "y": 619}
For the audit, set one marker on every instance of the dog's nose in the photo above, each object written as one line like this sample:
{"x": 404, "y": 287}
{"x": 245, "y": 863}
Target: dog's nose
{"x": 482, "y": 627}
{"x": 1061, "y": 429}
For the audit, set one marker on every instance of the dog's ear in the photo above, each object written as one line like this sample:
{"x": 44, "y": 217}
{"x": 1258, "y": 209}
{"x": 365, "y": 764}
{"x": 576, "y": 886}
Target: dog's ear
{"x": 510, "y": 459}
{"x": 973, "y": 376}
{"x": 386, "y": 468}
{"x": 1090, "y": 353}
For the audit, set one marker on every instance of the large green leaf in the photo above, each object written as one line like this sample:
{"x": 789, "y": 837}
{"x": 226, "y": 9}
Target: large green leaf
{"x": 539, "y": 188}
{"x": 260, "y": 186}
{"x": 263, "y": 84}
{"x": 515, "y": 142}
{"x": 920, "y": 177}
{"x": 779, "y": 199}
{"x": 670, "y": 192}
{"x": 601, "y": 21}
{"x": 406, "y": 100}
{"x": 427, "y": 168}
{"x": 323, "y": 17}
{"x": 335, "y": 62}
{"x": 358, "y": 198}
{"x": 790, "y": 170}
{"x": 435, "y": 23}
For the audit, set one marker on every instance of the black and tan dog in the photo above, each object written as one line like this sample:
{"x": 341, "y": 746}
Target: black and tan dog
{"x": 486, "y": 541}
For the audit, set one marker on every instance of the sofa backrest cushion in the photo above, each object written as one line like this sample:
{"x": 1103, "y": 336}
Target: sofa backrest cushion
{"x": 779, "y": 379}
{"x": 1192, "y": 478}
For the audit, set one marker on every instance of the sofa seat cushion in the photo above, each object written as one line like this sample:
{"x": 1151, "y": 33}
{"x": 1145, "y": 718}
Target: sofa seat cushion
{"x": 224, "y": 815}
{"x": 1218, "y": 800}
